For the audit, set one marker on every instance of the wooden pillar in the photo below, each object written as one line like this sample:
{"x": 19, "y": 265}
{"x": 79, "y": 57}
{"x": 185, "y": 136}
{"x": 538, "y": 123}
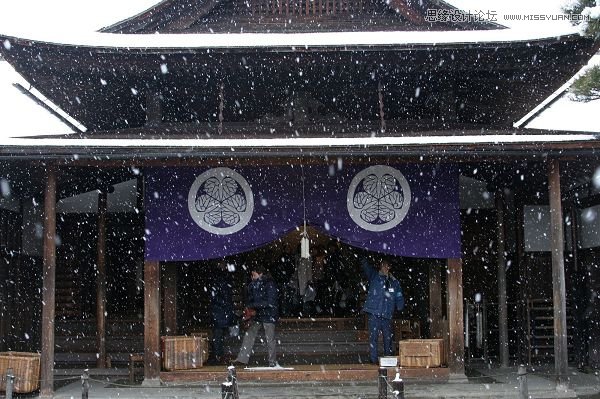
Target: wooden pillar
{"x": 524, "y": 342}
{"x": 501, "y": 261}
{"x": 48, "y": 286}
{"x": 579, "y": 289}
{"x": 558, "y": 276}
{"x": 151, "y": 323}
{"x": 435, "y": 300}
{"x": 221, "y": 106}
{"x": 170, "y": 299}
{"x": 574, "y": 232}
{"x": 456, "y": 328}
{"x": 447, "y": 102}
{"x": 153, "y": 109}
{"x": 381, "y": 107}
{"x": 101, "y": 282}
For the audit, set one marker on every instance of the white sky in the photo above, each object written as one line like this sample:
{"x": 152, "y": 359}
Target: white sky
{"x": 69, "y": 16}
{"x": 20, "y": 115}
{"x": 60, "y": 17}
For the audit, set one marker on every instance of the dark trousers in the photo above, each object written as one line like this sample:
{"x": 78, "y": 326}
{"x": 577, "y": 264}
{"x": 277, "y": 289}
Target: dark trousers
{"x": 218, "y": 346}
{"x": 377, "y": 324}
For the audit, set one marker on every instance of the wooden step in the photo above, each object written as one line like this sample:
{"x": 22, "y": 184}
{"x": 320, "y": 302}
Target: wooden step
{"x": 301, "y": 373}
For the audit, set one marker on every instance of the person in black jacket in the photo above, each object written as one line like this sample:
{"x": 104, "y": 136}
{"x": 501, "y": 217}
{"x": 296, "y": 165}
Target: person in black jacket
{"x": 222, "y": 311}
{"x": 262, "y": 298}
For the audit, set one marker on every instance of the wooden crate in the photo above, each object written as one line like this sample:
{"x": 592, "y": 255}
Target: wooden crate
{"x": 421, "y": 353}
{"x": 184, "y": 352}
{"x": 26, "y": 369}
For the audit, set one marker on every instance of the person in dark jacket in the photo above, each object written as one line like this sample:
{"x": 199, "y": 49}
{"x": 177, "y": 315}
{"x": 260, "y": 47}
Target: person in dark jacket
{"x": 222, "y": 311}
{"x": 384, "y": 297}
{"x": 262, "y": 297}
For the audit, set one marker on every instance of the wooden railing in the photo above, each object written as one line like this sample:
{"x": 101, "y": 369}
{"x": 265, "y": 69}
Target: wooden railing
{"x": 314, "y": 8}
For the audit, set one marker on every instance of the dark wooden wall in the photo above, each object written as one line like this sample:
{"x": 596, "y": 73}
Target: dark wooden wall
{"x": 20, "y": 287}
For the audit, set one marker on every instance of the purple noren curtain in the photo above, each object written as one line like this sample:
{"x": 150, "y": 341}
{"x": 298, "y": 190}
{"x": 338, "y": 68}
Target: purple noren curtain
{"x": 203, "y": 213}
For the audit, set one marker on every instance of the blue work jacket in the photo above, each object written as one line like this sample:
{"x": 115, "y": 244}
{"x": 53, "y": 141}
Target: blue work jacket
{"x": 385, "y": 294}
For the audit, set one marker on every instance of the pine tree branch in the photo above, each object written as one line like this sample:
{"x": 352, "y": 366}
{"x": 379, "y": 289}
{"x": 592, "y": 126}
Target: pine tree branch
{"x": 587, "y": 87}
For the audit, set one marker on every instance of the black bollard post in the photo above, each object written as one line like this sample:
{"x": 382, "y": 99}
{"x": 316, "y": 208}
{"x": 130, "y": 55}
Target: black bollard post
{"x": 398, "y": 387}
{"x": 10, "y": 383}
{"x": 226, "y": 390}
{"x": 232, "y": 377}
{"x": 382, "y": 382}
{"x": 522, "y": 376}
{"x": 85, "y": 384}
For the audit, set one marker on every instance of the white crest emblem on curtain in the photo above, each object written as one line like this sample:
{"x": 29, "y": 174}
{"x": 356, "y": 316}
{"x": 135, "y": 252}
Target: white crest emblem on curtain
{"x": 220, "y": 201}
{"x": 378, "y": 198}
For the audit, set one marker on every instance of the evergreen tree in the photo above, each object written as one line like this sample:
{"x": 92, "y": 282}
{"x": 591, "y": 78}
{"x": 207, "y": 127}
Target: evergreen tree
{"x": 587, "y": 87}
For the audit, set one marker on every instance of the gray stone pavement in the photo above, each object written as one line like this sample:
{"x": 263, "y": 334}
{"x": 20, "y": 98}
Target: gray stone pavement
{"x": 483, "y": 382}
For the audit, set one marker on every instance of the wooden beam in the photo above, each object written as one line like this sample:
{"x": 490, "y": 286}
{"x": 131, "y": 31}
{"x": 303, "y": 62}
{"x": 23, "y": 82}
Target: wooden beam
{"x": 169, "y": 280}
{"x": 48, "y": 286}
{"x": 456, "y": 328}
{"x": 151, "y": 323}
{"x": 435, "y": 300}
{"x": 561, "y": 359}
{"x": 101, "y": 281}
{"x": 501, "y": 263}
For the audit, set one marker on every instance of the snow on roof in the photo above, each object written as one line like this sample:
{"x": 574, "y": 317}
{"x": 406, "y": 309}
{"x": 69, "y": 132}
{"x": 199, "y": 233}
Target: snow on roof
{"x": 312, "y": 142}
{"x": 22, "y": 115}
{"x": 561, "y": 112}
{"x": 290, "y": 40}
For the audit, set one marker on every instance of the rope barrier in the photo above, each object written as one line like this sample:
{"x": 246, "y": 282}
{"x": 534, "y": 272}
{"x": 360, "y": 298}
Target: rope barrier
{"x": 111, "y": 383}
{"x": 21, "y": 379}
{"x": 167, "y": 385}
{"x": 521, "y": 375}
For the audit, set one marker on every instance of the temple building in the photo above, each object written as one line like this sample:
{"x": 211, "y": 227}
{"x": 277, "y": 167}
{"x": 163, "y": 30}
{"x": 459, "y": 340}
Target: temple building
{"x": 211, "y": 130}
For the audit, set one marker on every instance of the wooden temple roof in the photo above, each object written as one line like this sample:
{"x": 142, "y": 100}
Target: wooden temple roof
{"x": 235, "y": 16}
{"x": 329, "y": 73}
{"x": 247, "y": 82}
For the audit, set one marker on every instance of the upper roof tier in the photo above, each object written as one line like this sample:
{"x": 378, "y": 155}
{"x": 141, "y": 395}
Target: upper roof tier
{"x": 311, "y": 67}
{"x": 268, "y": 16}
{"x": 249, "y": 84}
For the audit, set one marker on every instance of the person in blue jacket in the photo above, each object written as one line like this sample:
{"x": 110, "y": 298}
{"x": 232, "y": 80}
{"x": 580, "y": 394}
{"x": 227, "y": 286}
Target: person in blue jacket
{"x": 384, "y": 297}
{"x": 263, "y": 297}
{"x": 222, "y": 311}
